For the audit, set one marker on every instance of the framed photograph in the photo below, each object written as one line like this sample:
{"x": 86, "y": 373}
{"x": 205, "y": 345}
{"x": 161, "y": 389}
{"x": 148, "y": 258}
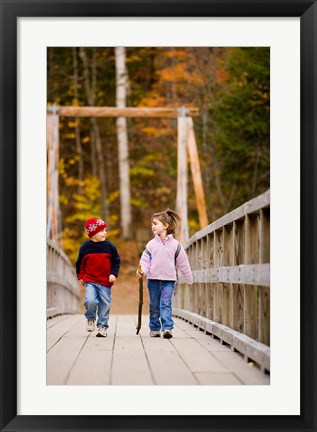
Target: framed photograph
{"x": 27, "y": 29}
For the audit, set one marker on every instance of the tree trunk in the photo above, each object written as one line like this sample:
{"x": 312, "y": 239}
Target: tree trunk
{"x": 77, "y": 130}
{"x": 123, "y": 148}
{"x": 91, "y": 99}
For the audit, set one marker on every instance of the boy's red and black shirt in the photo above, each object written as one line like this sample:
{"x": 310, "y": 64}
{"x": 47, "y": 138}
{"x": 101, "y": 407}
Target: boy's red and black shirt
{"x": 97, "y": 261}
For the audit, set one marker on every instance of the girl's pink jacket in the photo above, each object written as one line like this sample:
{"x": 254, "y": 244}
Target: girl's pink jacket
{"x": 158, "y": 260}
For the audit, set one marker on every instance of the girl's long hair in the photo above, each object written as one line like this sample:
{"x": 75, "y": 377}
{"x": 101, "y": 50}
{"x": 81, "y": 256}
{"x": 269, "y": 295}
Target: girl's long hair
{"x": 168, "y": 217}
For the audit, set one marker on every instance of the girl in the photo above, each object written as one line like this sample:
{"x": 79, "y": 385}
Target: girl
{"x": 159, "y": 261}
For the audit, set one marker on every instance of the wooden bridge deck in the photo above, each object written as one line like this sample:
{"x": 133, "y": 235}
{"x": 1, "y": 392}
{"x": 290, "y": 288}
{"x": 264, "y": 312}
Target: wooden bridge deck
{"x": 75, "y": 357}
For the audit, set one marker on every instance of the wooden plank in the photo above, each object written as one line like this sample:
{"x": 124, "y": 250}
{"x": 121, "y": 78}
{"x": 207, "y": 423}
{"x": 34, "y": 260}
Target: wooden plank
{"x": 196, "y": 174}
{"x": 55, "y": 278}
{"x": 251, "y": 206}
{"x": 264, "y": 315}
{"x": 211, "y": 310}
{"x": 130, "y": 366}
{"x": 238, "y": 242}
{"x": 246, "y": 373}
{"x": 253, "y": 274}
{"x": 212, "y": 378}
{"x": 211, "y": 237}
{"x": 55, "y": 320}
{"x": 256, "y": 274}
{"x": 191, "y": 357}
{"x": 252, "y": 349}
{"x": 251, "y": 319}
{"x": 203, "y": 299}
{"x": 56, "y": 332}
{"x": 63, "y": 289}
{"x": 179, "y": 331}
{"x": 199, "y": 299}
{"x": 200, "y": 254}
{"x": 94, "y": 343}
{"x": 217, "y": 303}
{"x": 165, "y": 363}
{"x": 207, "y": 301}
{"x": 60, "y": 254}
{"x": 252, "y": 249}
{"x": 228, "y": 246}
{"x": 87, "y": 358}
{"x": 237, "y": 307}
{"x": 142, "y": 112}
{"x": 126, "y": 325}
{"x": 265, "y": 235}
{"x": 218, "y": 248}
{"x": 91, "y": 367}
{"x": 62, "y": 357}
{"x": 169, "y": 369}
{"x": 225, "y": 302}
{"x": 206, "y": 243}
{"x": 62, "y": 300}
{"x": 206, "y": 341}
{"x": 187, "y": 292}
{"x": 197, "y": 358}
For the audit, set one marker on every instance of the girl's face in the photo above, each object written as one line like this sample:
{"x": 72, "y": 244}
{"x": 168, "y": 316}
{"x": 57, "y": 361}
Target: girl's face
{"x": 100, "y": 236}
{"x": 158, "y": 227}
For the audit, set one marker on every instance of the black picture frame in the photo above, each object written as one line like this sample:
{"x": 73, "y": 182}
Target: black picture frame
{"x": 10, "y": 11}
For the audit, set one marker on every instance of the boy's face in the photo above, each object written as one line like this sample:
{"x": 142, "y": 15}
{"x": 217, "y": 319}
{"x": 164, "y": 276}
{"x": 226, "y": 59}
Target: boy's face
{"x": 100, "y": 236}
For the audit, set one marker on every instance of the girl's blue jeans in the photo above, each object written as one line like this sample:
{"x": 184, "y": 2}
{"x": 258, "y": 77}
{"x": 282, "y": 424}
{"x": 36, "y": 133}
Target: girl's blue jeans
{"x": 161, "y": 293}
{"x": 97, "y": 298}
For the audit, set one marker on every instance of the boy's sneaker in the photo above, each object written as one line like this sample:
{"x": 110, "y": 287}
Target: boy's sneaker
{"x": 90, "y": 325}
{"x": 155, "y": 333}
{"x": 167, "y": 334}
{"x": 102, "y": 331}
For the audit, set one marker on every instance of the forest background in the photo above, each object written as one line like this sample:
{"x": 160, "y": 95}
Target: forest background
{"x": 229, "y": 86}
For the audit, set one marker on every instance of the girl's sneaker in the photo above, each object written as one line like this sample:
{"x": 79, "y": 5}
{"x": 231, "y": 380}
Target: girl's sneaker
{"x": 90, "y": 326}
{"x": 102, "y": 331}
{"x": 167, "y": 334}
{"x": 155, "y": 333}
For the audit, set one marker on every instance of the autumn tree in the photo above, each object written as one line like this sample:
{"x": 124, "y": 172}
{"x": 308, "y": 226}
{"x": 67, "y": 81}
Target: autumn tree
{"x": 231, "y": 88}
{"x": 123, "y": 147}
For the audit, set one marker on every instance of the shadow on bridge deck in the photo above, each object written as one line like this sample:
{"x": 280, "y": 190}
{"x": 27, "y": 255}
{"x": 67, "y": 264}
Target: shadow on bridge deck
{"x": 75, "y": 357}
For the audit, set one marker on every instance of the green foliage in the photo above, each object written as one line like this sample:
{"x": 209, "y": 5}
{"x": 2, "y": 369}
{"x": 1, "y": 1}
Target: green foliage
{"x": 242, "y": 117}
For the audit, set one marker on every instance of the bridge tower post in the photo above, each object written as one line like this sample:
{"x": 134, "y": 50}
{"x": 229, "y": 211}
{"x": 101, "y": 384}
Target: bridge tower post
{"x": 53, "y": 209}
{"x": 182, "y": 175}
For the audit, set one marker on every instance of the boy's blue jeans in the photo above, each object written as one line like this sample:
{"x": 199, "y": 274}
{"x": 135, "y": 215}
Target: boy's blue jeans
{"x": 160, "y": 293}
{"x": 97, "y": 297}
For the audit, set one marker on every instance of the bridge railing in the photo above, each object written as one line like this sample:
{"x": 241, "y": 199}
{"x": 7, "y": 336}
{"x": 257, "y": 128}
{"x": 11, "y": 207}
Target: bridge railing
{"x": 63, "y": 289}
{"x": 230, "y": 297}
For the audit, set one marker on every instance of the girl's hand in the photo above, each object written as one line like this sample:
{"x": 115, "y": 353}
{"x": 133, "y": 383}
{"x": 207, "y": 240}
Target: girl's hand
{"x": 82, "y": 282}
{"x": 139, "y": 272}
{"x": 112, "y": 278}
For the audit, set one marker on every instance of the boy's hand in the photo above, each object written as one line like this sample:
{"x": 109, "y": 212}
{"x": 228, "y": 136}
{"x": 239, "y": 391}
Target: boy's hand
{"x": 139, "y": 272}
{"x": 112, "y": 278}
{"x": 82, "y": 282}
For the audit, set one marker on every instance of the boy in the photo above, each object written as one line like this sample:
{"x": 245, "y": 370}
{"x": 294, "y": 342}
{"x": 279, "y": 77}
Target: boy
{"x": 97, "y": 268}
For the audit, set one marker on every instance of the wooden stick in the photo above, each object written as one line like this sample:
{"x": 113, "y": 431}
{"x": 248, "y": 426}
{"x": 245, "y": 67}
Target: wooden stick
{"x": 140, "y": 300}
